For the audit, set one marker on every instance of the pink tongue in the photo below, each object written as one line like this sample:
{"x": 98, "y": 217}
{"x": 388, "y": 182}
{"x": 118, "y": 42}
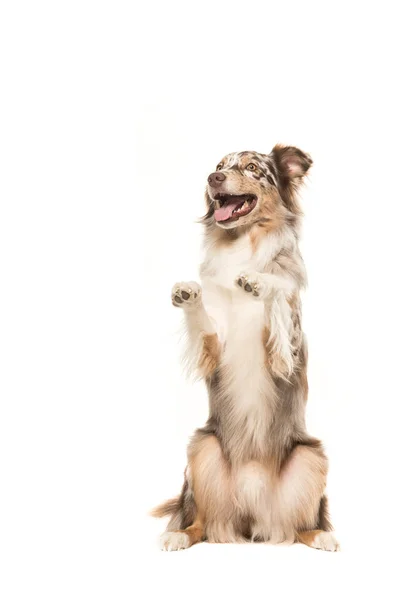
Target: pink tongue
{"x": 225, "y": 212}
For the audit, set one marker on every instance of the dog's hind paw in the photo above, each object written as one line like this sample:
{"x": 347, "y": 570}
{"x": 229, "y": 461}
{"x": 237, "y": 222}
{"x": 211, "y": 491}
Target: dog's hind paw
{"x": 325, "y": 540}
{"x": 174, "y": 540}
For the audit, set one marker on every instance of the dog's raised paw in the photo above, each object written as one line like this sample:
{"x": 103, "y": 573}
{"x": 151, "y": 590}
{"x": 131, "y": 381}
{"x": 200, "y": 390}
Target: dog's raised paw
{"x": 186, "y": 293}
{"x": 251, "y": 283}
{"x": 174, "y": 540}
{"x": 325, "y": 540}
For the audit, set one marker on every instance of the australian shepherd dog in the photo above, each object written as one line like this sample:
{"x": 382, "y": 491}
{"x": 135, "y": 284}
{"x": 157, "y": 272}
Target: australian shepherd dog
{"x": 253, "y": 471}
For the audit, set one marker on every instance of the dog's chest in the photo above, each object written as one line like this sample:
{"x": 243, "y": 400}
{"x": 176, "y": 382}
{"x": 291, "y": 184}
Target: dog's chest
{"x": 223, "y": 265}
{"x": 239, "y": 319}
{"x": 234, "y": 312}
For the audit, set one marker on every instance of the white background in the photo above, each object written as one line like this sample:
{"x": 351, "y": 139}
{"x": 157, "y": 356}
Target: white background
{"x": 112, "y": 116}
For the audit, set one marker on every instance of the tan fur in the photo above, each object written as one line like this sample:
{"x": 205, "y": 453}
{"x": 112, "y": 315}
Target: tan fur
{"x": 210, "y": 355}
{"x": 221, "y": 238}
{"x": 302, "y": 484}
{"x": 253, "y": 470}
{"x": 266, "y": 336}
{"x": 165, "y": 509}
{"x": 257, "y": 232}
{"x": 195, "y": 532}
{"x": 307, "y": 537}
{"x": 280, "y": 502}
{"x": 277, "y": 366}
{"x": 319, "y": 539}
{"x": 271, "y": 216}
{"x": 209, "y": 475}
{"x": 213, "y": 488}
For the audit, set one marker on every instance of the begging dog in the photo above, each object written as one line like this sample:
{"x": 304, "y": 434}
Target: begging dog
{"x": 253, "y": 471}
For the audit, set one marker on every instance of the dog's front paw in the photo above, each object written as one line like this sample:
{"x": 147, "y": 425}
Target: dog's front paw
{"x": 186, "y": 294}
{"x": 251, "y": 283}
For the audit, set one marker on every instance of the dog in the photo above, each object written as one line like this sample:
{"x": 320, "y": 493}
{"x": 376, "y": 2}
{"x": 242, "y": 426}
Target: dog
{"x": 253, "y": 472}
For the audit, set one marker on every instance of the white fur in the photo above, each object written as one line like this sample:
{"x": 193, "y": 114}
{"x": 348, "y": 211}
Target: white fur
{"x": 253, "y": 488}
{"x": 274, "y": 291}
{"x": 280, "y": 326}
{"x": 275, "y": 506}
{"x": 248, "y": 381}
{"x": 174, "y": 540}
{"x": 197, "y": 321}
{"x": 325, "y": 541}
{"x": 222, "y": 266}
{"x": 239, "y": 320}
{"x": 301, "y": 486}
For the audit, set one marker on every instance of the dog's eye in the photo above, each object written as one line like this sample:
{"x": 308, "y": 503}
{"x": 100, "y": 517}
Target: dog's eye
{"x": 219, "y": 166}
{"x": 251, "y": 167}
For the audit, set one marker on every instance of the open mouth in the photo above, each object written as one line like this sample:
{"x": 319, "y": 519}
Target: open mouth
{"x": 229, "y": 207}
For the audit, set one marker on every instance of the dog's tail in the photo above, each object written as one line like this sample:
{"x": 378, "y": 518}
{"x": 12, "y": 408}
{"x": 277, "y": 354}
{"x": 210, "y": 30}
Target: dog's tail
{"x": 181, "y": 509}
{"x": 169, "y": 507}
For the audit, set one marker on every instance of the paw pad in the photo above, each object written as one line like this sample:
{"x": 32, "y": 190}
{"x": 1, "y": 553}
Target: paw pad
{"x": 248, "y": 284}
{"x": 186, "y": 293}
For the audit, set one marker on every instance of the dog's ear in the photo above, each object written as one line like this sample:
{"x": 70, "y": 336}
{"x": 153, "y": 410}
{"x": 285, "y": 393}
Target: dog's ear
{"x": 292, "y": 163}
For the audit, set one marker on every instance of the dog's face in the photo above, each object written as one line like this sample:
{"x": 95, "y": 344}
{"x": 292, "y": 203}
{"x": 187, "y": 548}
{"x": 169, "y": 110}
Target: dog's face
{"x": 248, "y": 187}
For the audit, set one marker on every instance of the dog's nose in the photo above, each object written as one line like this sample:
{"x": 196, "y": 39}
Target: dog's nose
{"x": 215, "y": 179}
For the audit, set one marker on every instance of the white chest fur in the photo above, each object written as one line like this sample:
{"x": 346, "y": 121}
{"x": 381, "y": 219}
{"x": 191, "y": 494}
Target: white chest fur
{"x": 239, "y": 319}
{"x": 227, "y": 305}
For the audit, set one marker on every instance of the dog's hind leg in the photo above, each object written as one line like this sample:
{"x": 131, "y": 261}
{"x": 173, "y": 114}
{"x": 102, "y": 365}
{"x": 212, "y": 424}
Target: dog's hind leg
{"x": 183, "y": 538}
{"x": 185, "y": 526}
{"x": 302, "y": 502}
{"x": 303, "y": 506}
{"x": 321, "y": 540}
{"x": 206, "y": 504}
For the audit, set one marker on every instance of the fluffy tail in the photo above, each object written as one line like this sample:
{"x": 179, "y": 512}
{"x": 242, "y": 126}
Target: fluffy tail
{"x": 182, "y": 509}
{"x": 169, "y": 507}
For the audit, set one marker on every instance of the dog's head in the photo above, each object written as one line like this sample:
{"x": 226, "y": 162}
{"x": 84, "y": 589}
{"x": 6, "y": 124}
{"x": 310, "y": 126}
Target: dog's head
{"x": 248, "y": 187}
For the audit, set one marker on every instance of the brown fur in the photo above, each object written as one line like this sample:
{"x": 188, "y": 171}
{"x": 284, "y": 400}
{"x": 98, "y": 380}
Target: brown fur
{"x": 307, "y": 537}
{"x": 288, "y": 185}
{"x": 209, "y": 473}
{"x": 209, "y": 358}
{"x": 167, "y": 508}
{"x": 277, "y": 204}
{"x": 195, "y": 532}
{"x": 260, "y": 477}
{"x": 324, "y": 521}
{"x": 271, "y": 217}
{"x": 267, "y": 343}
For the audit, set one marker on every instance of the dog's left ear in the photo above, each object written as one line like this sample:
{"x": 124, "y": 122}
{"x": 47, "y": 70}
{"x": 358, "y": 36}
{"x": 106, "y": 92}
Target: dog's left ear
{"x": 292, "y": 163}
